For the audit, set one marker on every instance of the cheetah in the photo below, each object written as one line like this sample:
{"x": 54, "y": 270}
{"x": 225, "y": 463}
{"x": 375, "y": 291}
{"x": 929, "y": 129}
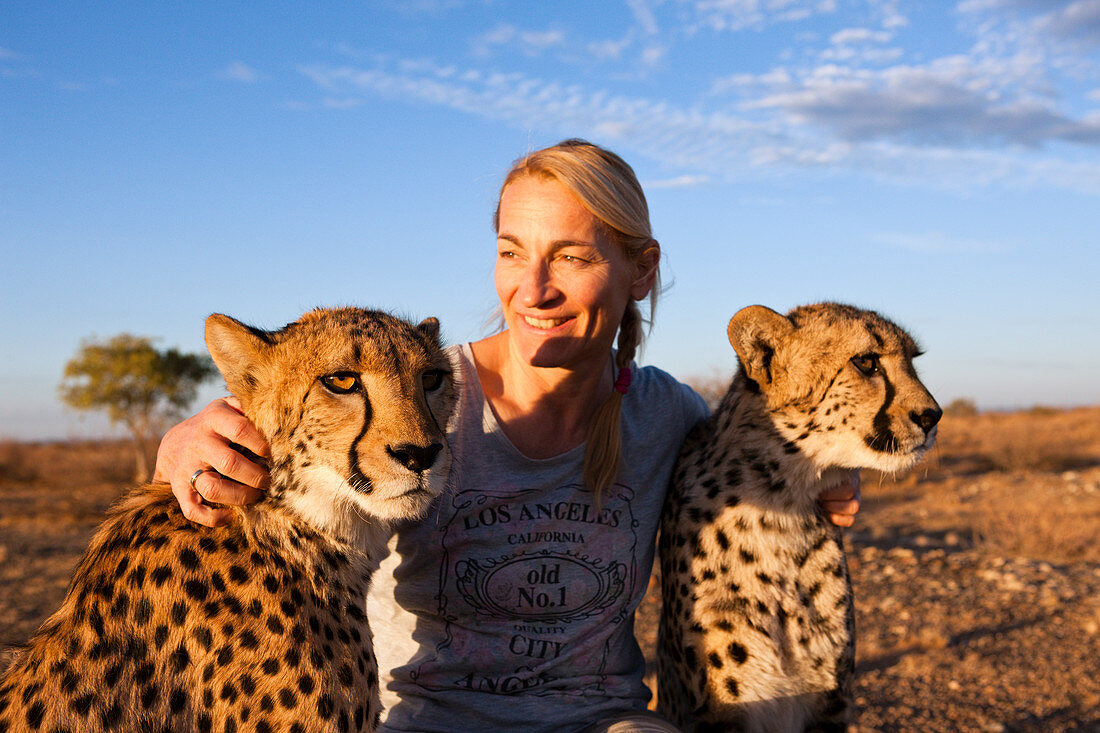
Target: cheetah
{"x": 258, "y": 624}
{"x": 756, "y": 628}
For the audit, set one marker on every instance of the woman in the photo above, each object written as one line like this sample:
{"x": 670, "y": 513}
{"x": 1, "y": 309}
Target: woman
{"x": 511, "y": 606}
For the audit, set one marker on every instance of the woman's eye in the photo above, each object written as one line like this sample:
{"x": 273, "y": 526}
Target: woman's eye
{"x": 432, "y": 379}
{"x": 867, "y": 364}
{"x": 341, "y": 382}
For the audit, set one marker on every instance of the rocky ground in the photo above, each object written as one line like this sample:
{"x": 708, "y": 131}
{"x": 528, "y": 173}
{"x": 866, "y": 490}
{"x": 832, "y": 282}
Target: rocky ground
{"x": 977, "y": 582}
{"x": 977, "y": 578}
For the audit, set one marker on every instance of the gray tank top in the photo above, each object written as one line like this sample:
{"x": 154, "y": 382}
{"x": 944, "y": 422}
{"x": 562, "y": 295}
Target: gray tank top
{"x": 516, "y": 592}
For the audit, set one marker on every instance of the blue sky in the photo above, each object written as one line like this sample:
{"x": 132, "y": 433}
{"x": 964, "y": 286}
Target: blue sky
{"x": 936, "y": 161}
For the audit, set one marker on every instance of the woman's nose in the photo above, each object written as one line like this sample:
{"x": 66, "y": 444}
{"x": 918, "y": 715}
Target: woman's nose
{"x": 537, "y": 287}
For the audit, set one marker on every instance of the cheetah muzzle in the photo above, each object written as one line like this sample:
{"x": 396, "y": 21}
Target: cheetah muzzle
{"x": 756, "y": 627}
{"x": 258, "y": 624}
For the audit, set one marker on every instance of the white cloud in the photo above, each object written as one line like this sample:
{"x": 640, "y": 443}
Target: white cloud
{"x": 685, "y": 137}
{"x": 239, "y": 71}
{"x": 608, "y": 49}
{"x": 736, "y": 15}
{"x": 530, "y": 43}
{"x": 957, "y": 122}
{"x": 1078, "y": 21}
{"x": 934, "y": 242}
{"x": 950, "y": 102}
{"x": 747, "y": 83}
{"x": 643, "y": 15}
{"x": 684, "y": 181}
{"x": 652, "y": 55}
{"x": 853, "y": 36}
{"x": 541, "y": 40}
{"x": 861, "y": 46}
{"x": 343, "y": 102}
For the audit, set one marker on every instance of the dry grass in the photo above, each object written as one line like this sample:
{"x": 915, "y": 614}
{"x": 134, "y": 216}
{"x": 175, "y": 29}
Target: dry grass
{"x": 15, "y": 461}
{"x": 1023, "y": 484}
{"x": 1040, "y": 439}
{"x": 1042, "y": 523}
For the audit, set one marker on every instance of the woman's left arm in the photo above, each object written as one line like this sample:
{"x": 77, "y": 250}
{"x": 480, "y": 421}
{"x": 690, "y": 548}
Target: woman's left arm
{"x": 841, "y": 503}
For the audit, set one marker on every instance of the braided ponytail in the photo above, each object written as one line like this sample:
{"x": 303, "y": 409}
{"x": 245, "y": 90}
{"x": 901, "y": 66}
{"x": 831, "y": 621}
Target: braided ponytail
{"x": 603, "y": 446}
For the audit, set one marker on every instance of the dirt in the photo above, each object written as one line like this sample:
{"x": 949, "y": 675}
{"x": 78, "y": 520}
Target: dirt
{"x": 977, "y": 578}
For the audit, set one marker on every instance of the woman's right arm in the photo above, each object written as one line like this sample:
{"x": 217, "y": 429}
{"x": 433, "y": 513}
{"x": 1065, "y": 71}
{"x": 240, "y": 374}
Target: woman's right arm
{"x": 206, "y": 440}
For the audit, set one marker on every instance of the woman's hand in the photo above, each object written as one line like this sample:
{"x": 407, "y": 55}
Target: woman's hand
{"x": 841, "y": 502}
{"x": 204, "y": 441}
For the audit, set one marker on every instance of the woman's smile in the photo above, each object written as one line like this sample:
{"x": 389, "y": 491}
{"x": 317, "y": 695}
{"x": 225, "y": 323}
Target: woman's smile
{"x": 544, "y": 324}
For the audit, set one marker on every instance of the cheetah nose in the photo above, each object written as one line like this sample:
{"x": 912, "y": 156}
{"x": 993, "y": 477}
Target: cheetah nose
{"x": 927, "y": 419}
{"x": 416, "y": 458}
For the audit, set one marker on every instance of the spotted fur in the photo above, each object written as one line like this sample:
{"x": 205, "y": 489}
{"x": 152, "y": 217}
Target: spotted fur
{"x": 259, "y": 624}
{"x": 756, "y": 628}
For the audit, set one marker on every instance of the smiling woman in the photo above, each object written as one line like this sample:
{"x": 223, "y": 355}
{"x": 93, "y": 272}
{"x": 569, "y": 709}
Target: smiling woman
{"x": 510, "y": 606}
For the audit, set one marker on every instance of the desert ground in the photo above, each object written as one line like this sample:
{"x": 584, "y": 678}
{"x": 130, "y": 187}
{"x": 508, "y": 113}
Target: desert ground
{"x": 977, "y": 576}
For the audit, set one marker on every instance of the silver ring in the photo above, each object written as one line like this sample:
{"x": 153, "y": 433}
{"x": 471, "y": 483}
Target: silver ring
{"x": 195, "y": 475}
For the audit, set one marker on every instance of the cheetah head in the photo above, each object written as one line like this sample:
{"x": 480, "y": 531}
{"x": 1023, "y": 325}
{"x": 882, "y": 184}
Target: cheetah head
{"x": 354, "y": 404}
{"x": 839, "y": 384}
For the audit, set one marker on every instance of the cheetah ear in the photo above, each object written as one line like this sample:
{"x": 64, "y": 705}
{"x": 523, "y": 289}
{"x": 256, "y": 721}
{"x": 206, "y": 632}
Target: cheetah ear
{"x": 430, "y": 328}
{"x": 754, "y": 333}
{"x": 237, "y": 351}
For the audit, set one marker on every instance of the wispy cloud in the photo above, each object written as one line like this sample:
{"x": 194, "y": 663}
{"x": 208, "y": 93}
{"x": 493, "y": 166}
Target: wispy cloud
{"x": 942, "y": 104}
{"x": 861, "y": 46}
{"x": 240, "y": 71}
{"x": 685, "y": 181}
{"x": 643, "y": 15}
{"x": 1072, "y": 21}
{"x": 736, "y": 15}
{"x": 527, "y": 42}
{"x": 684, "y": 136}
{"x": 730, "y": 144}
{"x": 852, "y": 96}
{"x": 936, "y": 243}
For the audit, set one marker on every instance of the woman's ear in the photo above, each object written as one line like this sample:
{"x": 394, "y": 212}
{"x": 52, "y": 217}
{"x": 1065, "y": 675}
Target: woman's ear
{"x": 645, "y": 270}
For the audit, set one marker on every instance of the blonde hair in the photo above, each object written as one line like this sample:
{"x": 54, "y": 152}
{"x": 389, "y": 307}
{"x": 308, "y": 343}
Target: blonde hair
{"x": 607, "y": 187}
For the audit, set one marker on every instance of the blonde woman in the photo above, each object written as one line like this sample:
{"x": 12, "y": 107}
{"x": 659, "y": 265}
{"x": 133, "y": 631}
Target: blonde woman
{"x": 510, "y": 607}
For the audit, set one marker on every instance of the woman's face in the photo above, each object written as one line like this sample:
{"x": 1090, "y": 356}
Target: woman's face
{"x": 562, "y": 286}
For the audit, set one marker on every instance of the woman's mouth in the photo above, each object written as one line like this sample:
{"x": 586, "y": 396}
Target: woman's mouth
{"x": 544, "y": 323}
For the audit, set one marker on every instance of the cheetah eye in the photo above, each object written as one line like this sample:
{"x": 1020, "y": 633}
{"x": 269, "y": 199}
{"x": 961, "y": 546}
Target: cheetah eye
{"x": 432, "y": 379}
{"x": 867, "y": 364}
{"x": 342, "y": 382}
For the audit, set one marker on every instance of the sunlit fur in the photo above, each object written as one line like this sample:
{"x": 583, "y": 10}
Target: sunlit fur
{"x": 756, "y": 627}
{"x": 332, "y": 460}
{"x": 259, "y": 623}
